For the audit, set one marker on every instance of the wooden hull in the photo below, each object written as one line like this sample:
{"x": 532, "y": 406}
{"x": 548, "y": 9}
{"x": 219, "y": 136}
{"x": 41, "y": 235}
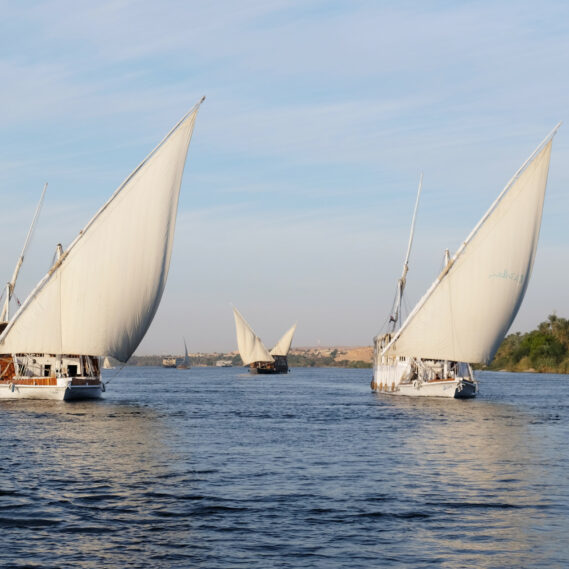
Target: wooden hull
{"x": 280, "y": 365}
{"x": 266, "y": 371}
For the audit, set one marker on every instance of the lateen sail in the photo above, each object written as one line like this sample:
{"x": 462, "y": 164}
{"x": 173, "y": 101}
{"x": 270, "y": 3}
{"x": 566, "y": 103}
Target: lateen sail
{"x": 251, "y": 349}
{"x": 470, "y": 307}
{"x": 186, "y": 356}
{"x": 101, "y": 295}
{"x": 283, "y": 345}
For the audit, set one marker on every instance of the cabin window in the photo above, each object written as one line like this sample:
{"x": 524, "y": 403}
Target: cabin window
{"x": 47, "y": 370}
{"x": 72, "y": 370}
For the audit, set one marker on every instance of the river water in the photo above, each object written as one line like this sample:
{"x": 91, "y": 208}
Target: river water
{"x": 215, "y": 468}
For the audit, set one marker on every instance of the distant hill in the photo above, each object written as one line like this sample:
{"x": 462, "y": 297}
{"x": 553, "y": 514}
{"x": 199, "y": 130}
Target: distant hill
{"x": 354, "y": 357}
{"x": 545, "y": 349}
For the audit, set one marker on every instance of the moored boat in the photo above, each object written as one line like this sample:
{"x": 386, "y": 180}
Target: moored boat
{"x": 465, "y": 314}
{"x": 101, "y": 294}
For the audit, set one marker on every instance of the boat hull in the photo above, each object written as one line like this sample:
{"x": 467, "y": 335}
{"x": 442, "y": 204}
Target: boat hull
{"x": 279, "y": 365}
{"x": 454, "y": 389}
{"x": 265, "y": 371}
{"x": 53, "y": 392}
{"x": 425, "y": 378}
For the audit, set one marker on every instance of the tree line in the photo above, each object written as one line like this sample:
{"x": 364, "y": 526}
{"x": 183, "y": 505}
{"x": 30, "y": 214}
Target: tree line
{"x": 545, "y": 349}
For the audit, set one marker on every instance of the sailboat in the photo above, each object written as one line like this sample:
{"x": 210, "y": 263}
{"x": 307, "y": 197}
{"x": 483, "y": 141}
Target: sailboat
{"x": 100, "y": 295}
{"x": 254, "y": 353}
{"x": 186, "y": 361}
{"x": 465, "y": 314}
{"x": 107, "y": 363}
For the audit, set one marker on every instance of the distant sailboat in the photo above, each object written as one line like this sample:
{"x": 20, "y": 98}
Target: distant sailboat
{"x": 186, "y": 361}
{"x": 101, "y": 294}
{"x": 107, "y": 363}
{"x": 253, "y": 352}
{"x": 465, "y": 314}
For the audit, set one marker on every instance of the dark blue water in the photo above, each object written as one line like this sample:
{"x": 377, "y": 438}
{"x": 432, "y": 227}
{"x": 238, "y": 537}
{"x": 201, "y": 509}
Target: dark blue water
{"x": 215, "y": 468}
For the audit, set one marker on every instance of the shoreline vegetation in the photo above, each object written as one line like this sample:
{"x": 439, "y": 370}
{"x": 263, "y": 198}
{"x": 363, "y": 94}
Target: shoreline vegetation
{"x": 543, "y": 350}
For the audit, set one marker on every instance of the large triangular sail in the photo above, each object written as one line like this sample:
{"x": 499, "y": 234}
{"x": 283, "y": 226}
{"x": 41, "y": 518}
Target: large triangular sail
{"x": 251, "y": 348}
{"x": 101, "y": 295}
{"x": 282, "y": 347}
{"x": 470, "y": 307}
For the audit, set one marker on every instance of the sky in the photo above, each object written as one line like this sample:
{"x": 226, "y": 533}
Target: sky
{"x": 301, "y": 176}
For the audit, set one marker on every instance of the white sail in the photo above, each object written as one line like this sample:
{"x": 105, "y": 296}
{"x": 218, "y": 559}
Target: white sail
{"x": 469, "y": 308}
{"x": 251, "y": 349}
{"x": 282, "y": 347}
{"x": 101, "y": 295}
{"x": 107, "y": 363}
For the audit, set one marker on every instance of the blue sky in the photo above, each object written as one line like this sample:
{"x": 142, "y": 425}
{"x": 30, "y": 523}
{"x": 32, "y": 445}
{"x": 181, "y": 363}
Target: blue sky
{"x": 302, "y": 173}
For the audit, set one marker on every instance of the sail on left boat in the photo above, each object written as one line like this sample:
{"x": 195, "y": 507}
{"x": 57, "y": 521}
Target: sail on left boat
{"x": 101, "y": 294}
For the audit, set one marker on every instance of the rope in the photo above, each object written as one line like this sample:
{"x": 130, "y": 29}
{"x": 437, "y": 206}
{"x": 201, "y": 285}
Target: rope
{"x": 115, "y": 375}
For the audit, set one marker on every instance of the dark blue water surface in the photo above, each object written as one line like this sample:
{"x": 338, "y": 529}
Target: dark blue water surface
{"x": 215, "y": 468}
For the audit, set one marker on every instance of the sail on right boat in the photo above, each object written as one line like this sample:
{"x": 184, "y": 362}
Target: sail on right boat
{"x": 465, "y": 314}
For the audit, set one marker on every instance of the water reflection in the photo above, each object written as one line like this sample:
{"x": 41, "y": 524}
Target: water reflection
{"x": 206, "y": 469}
{"x": 477, "y": 468}
{"x": 82, "y": 468}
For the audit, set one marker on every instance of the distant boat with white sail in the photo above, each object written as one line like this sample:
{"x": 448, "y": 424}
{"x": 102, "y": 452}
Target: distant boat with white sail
{"x": 100, "y": 295}
{"x": 254, "y": 353}
{"x": 464, "y": 316}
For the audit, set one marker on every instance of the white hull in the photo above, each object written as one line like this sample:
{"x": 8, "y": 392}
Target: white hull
{"x": 412, "y": 377}
{"x": 454, "y": 389}
{"x": 53, "y": 392}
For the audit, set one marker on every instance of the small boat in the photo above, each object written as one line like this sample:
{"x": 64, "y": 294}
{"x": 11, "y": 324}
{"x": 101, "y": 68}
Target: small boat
{"x": 185, "y": 364}
{"x": 223, "y": 363}
{"x": 100, "y": 295}
{"x": 465, "y": 314}
{"x": 169, "y": 362}
{"x": 107, "y": 363}
{"x": 253, "y": 352}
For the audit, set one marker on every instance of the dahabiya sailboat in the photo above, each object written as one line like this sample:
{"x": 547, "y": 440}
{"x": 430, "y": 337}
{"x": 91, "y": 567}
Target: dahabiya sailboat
{"x": 253, "y": 352}
{"x": 465, "y": 314}
{"x": 101, "y": 294}
{"x": 185, "y": 363}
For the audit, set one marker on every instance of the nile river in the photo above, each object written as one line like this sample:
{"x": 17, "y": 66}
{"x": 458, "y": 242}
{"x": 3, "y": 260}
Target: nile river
{"x": 215, "y": 468}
